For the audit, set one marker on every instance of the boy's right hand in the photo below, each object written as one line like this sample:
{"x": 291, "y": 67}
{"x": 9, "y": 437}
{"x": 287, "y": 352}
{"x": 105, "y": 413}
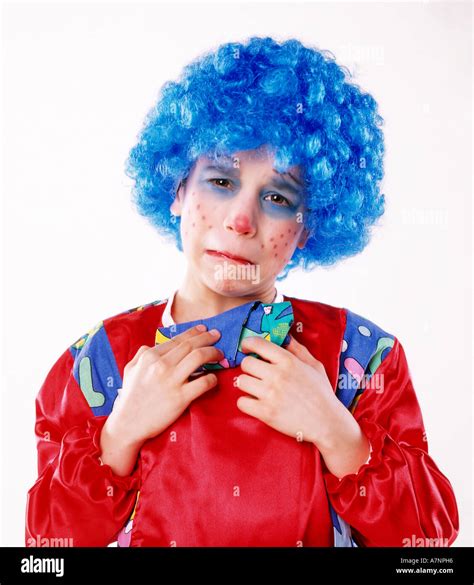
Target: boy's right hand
{"x": 156, "y": 389}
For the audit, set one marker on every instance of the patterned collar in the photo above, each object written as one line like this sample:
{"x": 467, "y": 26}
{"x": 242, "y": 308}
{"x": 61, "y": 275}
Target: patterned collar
{"x": 168, "y": 320}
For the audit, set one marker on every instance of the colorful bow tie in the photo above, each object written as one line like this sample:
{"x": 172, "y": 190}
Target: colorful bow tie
{"x": 270, "y": 321}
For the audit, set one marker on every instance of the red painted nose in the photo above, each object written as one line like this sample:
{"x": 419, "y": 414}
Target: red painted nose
{"x": 242, "y": 224}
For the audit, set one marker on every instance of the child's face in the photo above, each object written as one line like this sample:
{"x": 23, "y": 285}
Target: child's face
{"x": 243, "y": 208}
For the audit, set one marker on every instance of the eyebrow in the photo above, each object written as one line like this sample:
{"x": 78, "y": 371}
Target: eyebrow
{"x": 278, "y": 180}
{"x": 221, "y": 167}
{"x": 281, "y": 180}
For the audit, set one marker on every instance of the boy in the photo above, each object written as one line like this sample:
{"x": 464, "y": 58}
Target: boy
{"x": 155, "y": 430}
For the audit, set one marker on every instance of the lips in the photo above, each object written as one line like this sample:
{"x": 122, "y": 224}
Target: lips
{"x": 229, "y": 256}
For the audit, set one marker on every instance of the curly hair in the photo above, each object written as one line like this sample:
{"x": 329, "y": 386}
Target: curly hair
{"x": 296, "y": 99}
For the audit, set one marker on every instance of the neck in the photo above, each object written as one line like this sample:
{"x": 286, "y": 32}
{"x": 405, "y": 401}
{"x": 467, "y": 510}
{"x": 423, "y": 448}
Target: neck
{"x": 194, "y": 300}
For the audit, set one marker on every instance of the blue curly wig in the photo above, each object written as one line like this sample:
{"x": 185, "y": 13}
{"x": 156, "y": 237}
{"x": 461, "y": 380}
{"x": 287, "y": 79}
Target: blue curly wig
{"x": 260, "y": 92}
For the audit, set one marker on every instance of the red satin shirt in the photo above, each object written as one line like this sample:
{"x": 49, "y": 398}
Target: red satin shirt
{"x": 219, "y": 477}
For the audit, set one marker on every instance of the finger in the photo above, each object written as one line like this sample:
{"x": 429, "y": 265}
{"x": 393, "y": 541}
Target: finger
{"x": 301, "y": 352}
{"x": 165, "y": 346}
{"x": 264, "y": 348}
{"x": 199, "y": 386}
{"x": 250, "y": 406}
{"x": 195, "y": 359}
{"x": 255, "y": 367}
{"x": 176, "y": 348}
{"x": 251, "y": 385}
{"x": 181, "y": 350}
{"x": 142, "y": 349}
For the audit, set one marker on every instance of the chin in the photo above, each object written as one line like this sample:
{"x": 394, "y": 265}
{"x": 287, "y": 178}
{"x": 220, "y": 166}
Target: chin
{"x": 231, "y": 287}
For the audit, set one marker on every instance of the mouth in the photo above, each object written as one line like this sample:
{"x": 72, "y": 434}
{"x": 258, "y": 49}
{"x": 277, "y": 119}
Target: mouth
{"x": 228, "y": 256}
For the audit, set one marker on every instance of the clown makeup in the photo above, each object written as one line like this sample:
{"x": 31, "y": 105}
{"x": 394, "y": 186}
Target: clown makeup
{"x": 241, "y": 221}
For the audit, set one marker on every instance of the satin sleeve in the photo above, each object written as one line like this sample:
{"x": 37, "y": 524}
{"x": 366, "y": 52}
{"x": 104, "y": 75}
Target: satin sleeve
{"x": 399, "y": 497}
{"x": 76, "y": 500}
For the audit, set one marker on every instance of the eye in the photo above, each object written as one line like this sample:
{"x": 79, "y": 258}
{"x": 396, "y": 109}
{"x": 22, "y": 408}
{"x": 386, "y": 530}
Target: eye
{"x": 219, "y": 181}
{"x": 277, "y": 197}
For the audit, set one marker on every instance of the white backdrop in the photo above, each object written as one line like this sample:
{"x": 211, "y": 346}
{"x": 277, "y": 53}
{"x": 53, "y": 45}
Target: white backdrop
{"x": 77, "y": 82}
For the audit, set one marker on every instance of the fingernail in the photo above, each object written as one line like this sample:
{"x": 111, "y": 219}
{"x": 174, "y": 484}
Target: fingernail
{"x": 201, "y": 327}
{"x": 214, "y": 332}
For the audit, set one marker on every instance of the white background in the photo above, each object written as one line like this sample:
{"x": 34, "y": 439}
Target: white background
{"x": 77, "y": 82}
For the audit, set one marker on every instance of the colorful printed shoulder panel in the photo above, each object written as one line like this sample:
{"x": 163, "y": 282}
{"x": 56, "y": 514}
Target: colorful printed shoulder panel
{"x": 364, "y": 347}
{"x": 95, "y": 368}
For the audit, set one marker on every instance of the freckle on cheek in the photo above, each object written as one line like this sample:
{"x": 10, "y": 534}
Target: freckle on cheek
{"x": 209, "y": 227}
{"x": 262, "y": 246}
{"x": 271, "y": 239}
{"x": 203, "y": 217}
{"x": 274, "y": 246}
{"x": 194, "y": 223}
{"x": 281, "y": 235}
{"x": 198, "y": 206}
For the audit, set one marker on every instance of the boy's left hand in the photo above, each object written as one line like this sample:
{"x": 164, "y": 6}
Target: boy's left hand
{"x": 291, "y": 393}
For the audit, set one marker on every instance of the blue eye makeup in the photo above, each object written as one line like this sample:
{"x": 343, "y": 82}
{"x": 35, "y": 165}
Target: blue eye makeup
{"x": 272, "y": 202}
{"x": 223, "y": 183}
{"x": 219, "y": 182}
{"x": 283, "y": 210}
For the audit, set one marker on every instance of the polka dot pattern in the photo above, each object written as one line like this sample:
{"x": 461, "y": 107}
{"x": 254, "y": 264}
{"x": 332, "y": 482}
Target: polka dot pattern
{"x": 363, "y": 348}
